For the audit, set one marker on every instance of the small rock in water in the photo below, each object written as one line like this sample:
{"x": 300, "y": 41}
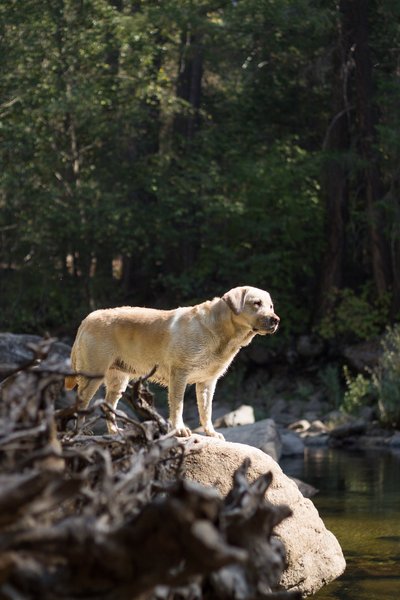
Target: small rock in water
{"x": 318, "y": 440}
{"x": 318, "y": 426}
{"x": 292, "y": 444}
{"x": 301, "y": 425}
{"x": 244, "y": 415}
{"x": 306, "y": 489}
{"x": 357, "y": 427}
{"x": 395, "y": 440}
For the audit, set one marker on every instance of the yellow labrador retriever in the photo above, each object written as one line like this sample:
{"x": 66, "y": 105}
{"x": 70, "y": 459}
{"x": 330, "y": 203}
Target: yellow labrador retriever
{"x": 194, "y": 344}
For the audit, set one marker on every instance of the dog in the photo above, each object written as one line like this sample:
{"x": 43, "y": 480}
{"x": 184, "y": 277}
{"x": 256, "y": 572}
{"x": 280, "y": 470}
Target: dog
{"x": 189, "y": 345}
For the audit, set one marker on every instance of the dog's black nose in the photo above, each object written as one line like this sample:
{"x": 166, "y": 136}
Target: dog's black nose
{"x": 273, "y": 320}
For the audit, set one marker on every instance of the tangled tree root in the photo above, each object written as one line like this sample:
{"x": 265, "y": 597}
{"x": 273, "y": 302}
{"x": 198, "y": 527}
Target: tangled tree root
{"x": 110, "y": 517}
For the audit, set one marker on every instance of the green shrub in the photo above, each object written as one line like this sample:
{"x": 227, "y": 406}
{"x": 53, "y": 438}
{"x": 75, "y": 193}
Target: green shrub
{"x": 386, "y": 379}
{"x": 358, "y": 393}
{"x": 382, "y": 387}
{"x": 355, "y": 315}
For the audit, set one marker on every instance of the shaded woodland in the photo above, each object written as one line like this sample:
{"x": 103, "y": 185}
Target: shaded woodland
{"x": 160, "y": 152}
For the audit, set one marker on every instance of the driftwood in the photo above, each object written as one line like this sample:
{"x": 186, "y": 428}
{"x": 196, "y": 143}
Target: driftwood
{"x": 109, "y": 517}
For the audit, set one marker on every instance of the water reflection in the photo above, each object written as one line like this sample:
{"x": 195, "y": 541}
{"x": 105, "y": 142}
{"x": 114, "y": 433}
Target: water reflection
{"x": 359, "y": 500}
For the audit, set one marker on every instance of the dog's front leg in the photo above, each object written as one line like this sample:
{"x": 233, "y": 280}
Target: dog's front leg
{"x": 204, "y": 394}
{"x": 176, "y": 392}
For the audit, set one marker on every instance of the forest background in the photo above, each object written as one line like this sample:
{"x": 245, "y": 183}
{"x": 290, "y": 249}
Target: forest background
{"x": 160, "y": 152}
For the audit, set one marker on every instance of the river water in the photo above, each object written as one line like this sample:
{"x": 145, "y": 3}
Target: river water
{"x": 359, "y": 501}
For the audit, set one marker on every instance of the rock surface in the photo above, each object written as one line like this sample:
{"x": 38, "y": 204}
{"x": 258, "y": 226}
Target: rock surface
{"x": 306, "y": 489}
{"x": 313, "y": 553}
{"x": 262, "y": 434}
{"x": 15, "y": 351}
{"x": 292, "y": 444}
{"x": 394, "y": 441}
{"x": 243, "y": 415}
{"x": 364, "y": 355}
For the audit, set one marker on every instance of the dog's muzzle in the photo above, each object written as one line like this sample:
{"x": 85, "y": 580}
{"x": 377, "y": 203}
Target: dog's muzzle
{"x": 268, "y": 325}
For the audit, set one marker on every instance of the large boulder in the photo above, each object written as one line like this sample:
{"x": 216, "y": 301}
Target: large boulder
{"x": 16, "y": 350}
{"x": 314, "y": 555}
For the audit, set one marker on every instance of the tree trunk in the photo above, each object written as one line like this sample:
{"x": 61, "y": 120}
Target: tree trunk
{"x": 189, "y": 83}
{"x": 352, "y": 75}
{"x": 334, "y": 181}
{"x": 367, "y": 119}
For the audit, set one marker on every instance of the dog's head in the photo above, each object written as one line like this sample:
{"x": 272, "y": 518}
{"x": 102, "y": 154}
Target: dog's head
{"x": 254, "y": 308}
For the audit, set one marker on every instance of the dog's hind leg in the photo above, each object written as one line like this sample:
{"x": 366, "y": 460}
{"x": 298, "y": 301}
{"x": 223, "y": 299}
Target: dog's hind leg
{"x": 116, "y": 382}
{"x": 86, "y": 390}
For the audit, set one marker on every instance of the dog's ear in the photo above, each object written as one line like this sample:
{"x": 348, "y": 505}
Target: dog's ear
{"x": 235, "y": 299}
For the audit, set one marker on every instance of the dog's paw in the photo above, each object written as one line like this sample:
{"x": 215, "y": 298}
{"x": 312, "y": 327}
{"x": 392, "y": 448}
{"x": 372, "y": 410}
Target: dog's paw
{"x": 182, "y": 431}
{"x": 112, "y": 428}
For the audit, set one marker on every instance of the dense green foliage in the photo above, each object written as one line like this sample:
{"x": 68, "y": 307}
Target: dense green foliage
{"x": 161, "y": 151}
{"x": 380, "y": 388}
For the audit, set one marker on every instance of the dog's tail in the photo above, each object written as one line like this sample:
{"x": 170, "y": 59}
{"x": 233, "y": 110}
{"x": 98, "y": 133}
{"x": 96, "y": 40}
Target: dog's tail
{"x": 71, "y": 381}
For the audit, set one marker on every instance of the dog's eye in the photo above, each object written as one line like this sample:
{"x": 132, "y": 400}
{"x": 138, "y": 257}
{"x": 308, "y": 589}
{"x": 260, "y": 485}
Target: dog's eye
{"x": 257, "y": 303}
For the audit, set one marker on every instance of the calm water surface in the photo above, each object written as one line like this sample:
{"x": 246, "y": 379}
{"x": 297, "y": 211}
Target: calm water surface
{"x": 359, "y": 501}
